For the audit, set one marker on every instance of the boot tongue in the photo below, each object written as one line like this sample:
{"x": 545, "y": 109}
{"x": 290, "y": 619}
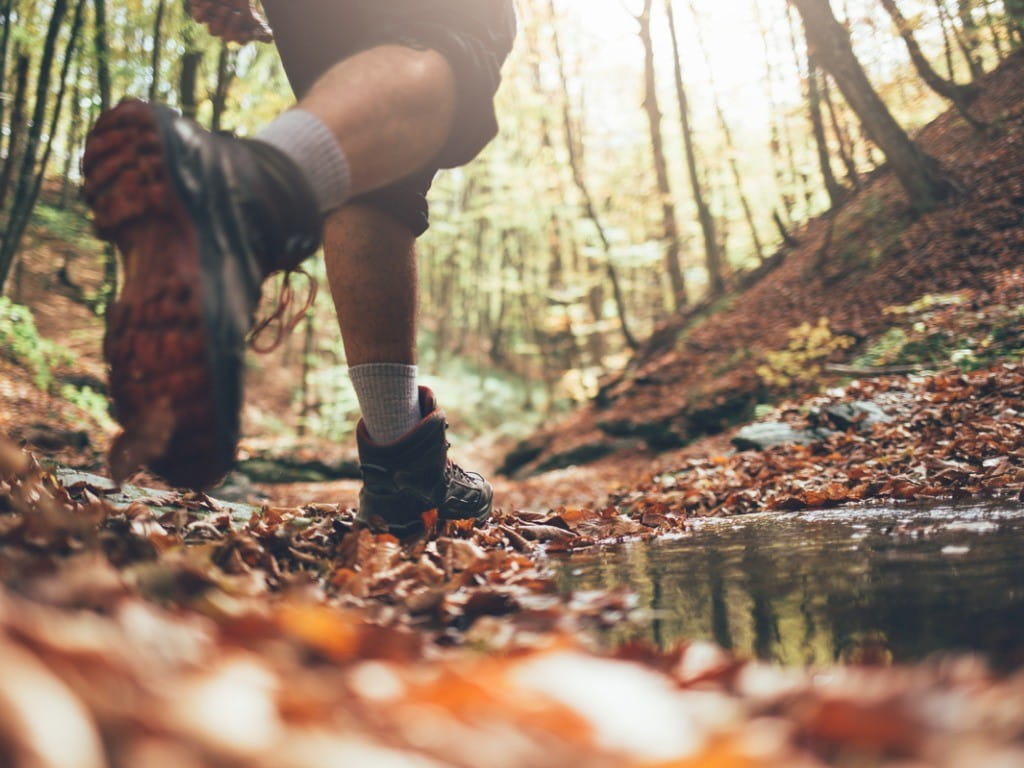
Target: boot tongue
{"x": 428, "y": 403}
{"x": 284, "y": 207}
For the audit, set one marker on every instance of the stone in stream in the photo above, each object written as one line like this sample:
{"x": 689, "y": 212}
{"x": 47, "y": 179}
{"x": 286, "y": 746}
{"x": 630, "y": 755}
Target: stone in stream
{"x": 768, "y": 434}
{"x": 863, "y": 414}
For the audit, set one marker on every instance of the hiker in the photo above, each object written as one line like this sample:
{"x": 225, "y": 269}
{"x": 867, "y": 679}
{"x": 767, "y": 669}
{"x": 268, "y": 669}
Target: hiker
{"x": 389, "y": 92}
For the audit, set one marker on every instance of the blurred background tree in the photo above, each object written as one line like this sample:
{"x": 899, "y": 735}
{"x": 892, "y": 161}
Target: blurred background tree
{"x": 652, "y": 154}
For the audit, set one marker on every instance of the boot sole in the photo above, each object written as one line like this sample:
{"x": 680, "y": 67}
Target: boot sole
{"x": 156, "y": 337}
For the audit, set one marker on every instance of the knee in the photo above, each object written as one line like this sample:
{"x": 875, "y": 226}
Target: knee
{"x": 425, "y": 75}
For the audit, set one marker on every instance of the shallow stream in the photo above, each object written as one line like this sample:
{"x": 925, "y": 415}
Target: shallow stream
{"x": 882, "y": 583}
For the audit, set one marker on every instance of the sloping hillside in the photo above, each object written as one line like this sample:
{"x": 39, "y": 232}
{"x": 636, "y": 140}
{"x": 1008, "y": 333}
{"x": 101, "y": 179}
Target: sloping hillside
{"x": 850, "y": 269}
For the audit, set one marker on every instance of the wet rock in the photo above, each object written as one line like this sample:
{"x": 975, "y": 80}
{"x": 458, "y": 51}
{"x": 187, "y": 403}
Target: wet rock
{"x": 862, "y": 414}
{"x": 238, "y": 487}
{"x": 758, "y": 437}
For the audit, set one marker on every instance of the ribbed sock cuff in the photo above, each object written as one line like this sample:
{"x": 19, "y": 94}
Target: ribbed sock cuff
{"x": 313, "y": 147}
{"x": 388, "y": 398}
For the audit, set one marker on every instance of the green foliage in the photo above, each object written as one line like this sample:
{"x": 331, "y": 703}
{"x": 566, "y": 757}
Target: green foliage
{"x": 20, "y": 342}
{"x": 868, "y": 231}
{"x": 800, "y": 362}
{"x": 887, "y": 349}
{"x": 938, "y": 334}
{"x": 69, "y": 225}
{"x": 336, "y": 415}
{"x": 89, "y": 400}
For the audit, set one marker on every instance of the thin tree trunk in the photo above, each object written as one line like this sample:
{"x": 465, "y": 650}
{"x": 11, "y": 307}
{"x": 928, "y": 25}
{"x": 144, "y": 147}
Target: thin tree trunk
{"x": 734, "y": 167}
{"x": 712, "y": 255}
{"x": 102, "y": 50}
{"x": 836, "y": 194}
{"x": 967, "y": 37}
{"x": 670, "y": 228}
{"x": 590, "y": 210}
{"x": 947, "y": 45}
{"x": 158, "y": 44}
{"x": 993, "y": 30}
{"x": 780, "y": 136}
{"x": 308, "y": 346}
{"x": 69, "y": 57}
{"x": 189, "y": 76}
{"x": 74, "y": 135}
{"x": 960, "y": 95}
{"x": 5, "y": 39}
{"x": 843, "y": 140}
{"x": 188, "y": 83}
{"x": 29, "y": 183}
{"x": 802, "y": 183}
{"x": 1015, "y": 19}
{"x": 17, "y": 125}
{"x": 225, "y": 74}
{"x": 787, "y": 238}
{"x": 919, "y": 174}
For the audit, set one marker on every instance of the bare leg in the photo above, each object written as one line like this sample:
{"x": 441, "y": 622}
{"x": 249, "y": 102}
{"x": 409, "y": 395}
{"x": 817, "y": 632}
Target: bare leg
{"x": 371, "y": 267}
{"x": 391, "y": 109}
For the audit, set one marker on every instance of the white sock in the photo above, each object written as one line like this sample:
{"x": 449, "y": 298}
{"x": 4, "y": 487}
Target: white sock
{"x": 389, "y": 399}
{"x": 313, "y": 147}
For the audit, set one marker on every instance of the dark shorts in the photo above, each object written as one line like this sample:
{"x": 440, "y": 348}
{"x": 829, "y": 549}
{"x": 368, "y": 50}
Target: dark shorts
{"x": 475, "y": 36}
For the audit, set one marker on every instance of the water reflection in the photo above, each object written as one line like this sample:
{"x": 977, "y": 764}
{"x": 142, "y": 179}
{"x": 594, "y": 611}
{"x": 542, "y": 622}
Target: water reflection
{"x": 879, "y": 584}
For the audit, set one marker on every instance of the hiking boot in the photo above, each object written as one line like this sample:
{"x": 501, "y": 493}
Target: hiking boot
{"x": 403, "y": 480}
{"x": 200, "y": 221}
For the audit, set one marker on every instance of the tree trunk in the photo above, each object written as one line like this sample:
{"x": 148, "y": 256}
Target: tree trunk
{"x": 836, "y": 194}
{"x": 17, "y": 126}
{"x": 843, "y": 140}
{"x": 997, "y": 41}
{"x": 919, "y": 174}
{"x": 29, "y": 181}
{"x": 102, "y": 50}
{"x": 712, "y": 254}
{"x": 802, "y": 180}
{"x": 308, "y": 347}
{"x": 960, "y": 95}
{"x": 158, "y": 44}
{"x": 590, "y": 210}
{"x": 730, "y": 145}
{"x": 1015, "y": 19}
{"x": 970, "y": 39}
{"x": 225, "y": 74}
{"x": 5, "y": 39}
{"x": 947, "y": 46}
{"x": 189, "y": 77}
{"x": 74, "y": 135}
{"x": 670, "y": 228}
{"x": 780, "y": 136}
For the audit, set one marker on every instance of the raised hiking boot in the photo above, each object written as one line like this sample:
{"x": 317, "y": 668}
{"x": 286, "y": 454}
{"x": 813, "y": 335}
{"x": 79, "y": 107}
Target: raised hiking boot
{"x": 200, "y": 220}
{"x": 403, "y": 480}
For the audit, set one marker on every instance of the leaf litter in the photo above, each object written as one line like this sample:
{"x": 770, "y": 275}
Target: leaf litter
{"x": 148, "y": 635}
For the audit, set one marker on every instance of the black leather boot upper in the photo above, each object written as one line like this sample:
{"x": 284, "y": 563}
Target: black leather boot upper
{"x": 403, "y": 480}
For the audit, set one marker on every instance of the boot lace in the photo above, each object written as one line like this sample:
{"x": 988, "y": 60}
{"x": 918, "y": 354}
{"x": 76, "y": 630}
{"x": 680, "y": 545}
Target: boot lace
{"x": 282, "y": 328}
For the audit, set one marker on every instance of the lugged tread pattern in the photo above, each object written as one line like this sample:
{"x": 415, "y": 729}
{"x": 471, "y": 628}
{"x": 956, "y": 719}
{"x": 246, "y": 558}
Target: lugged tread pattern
{"x": 155, "y": 342}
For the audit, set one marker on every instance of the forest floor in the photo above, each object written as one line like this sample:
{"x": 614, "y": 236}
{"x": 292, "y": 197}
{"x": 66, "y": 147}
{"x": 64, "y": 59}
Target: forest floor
{"x": 173, "y": 629}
